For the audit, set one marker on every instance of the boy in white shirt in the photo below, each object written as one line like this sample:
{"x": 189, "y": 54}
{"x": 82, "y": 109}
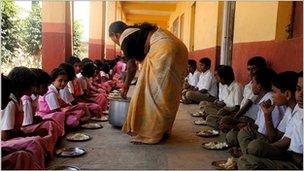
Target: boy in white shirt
{"x": 275, "y": 156}
{"x": 232, "y": 96}
{"x": 206, "y": 87}
{"x": 249, "y": 131}
{"x": 191, "y": 80}
{"x": 249, "y": 105}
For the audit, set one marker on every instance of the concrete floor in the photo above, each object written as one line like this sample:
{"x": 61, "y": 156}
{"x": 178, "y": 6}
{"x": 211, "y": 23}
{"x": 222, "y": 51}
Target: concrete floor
{"x": 110, "y": 149}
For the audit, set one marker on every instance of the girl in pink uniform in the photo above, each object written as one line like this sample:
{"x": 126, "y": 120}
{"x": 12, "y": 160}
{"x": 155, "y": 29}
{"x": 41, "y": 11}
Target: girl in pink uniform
{"x": 53, "y": 123}
{"x": 100, "y": 97}
{"x": 68, "y": 97}
{"x": 19, "y": 150}
{"x": 51, "y": 102}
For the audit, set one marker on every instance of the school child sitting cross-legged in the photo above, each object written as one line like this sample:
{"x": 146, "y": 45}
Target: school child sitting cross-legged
{"x": 287, "y": 152}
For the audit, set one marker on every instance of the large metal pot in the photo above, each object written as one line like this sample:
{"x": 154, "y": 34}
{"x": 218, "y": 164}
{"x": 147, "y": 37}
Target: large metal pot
{"x": 118, "y": 111}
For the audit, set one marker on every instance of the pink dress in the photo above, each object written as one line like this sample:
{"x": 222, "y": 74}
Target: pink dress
{"x": 54, "y": 129}
{"x": 73, "y": 113}
{"x": 19, "y": 149}
{"x": 99, "y": 98}
{"x": 94, "y": 108}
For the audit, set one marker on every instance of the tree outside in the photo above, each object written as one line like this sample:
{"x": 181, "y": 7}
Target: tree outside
{"x": 21, "y": 37}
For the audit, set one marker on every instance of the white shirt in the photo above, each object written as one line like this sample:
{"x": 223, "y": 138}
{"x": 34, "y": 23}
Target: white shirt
{"x": 285, "y": 122}
{"x": 277, "y": 115}
{"x": 27, "y": 112}
{"x": 51, "y": 98}
{"x": 70, "y": 87}
{"x": 295, "y": 133}
{"x": 222, "y": 91}
{"x": 248, "y": 94}
{"x": 8, "y": 114}
{"x": 65, "y": 95}
{"x": 207, "y": 81}
{"x": 252, "y": 111}
{"x": 193, "y": 78}
{"x": 103, "y": 74}
{"x": 233, "y": 95}
{"x": 79, "y": 75}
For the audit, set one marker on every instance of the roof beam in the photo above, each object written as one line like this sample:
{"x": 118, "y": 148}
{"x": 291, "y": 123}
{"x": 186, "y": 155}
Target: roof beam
{"x": 147, "y": 17}
{"x": 149, "y": 6}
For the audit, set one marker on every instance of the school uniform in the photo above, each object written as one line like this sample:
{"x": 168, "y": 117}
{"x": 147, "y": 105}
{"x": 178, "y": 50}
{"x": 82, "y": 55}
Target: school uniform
{"x": 193, "y": 78}
{"x": 52, "y": 100}
{"x": 207, "y": 82}
{"x": 232, "y": 97}
{"x": 209, "y": 107}
{"x": 244, "y": 136}
{"x": 11, "y": 119}
{"x": 248, "y": 95}
{"x": 270, "y": 157}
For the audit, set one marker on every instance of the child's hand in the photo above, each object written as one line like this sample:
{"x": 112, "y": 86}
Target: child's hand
{"x": 267, "y": 108}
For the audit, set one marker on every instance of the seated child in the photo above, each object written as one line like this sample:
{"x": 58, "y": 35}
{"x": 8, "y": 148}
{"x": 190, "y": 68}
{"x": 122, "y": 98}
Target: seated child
{"x": 191, "y": 80}
{"x": 231, "y": 97}
{"x": 13, "y": 140}
{"x": 51, "y": 102}
{"x": 206, "y": 88}
{"x": 33, "y": 123}
{"x": 93, "y": 109}
{"x": 249, "y": 106}
{"x": 287, "y": 153}
{"x": 90, "y": 91}
{"x": 261, "y": 86}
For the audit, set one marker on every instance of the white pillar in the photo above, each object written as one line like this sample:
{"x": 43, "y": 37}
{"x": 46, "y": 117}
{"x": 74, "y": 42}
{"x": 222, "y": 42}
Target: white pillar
{"x": 227, "y": 33}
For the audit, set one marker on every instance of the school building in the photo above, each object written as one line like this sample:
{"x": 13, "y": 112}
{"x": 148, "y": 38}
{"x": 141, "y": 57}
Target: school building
{"x": 226, "y": 32}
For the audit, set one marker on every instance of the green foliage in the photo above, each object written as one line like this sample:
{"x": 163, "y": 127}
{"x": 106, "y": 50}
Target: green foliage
{"x": 77, "y": 33}
{"x": 10, "y": 29}
{"x": 32, "y": 31}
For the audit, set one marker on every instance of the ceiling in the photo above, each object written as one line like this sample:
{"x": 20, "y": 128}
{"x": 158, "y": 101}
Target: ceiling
{"x": 156, "y": 12}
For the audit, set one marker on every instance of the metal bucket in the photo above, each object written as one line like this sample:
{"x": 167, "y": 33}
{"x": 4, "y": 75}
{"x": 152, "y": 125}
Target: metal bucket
{"x": 118, "y": 111}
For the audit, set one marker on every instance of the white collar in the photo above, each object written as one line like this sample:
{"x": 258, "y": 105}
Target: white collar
{"x": 267, "y": 96}
{"x": 230, "y": 87}
{"x": 52, "y": 87}
{"x": 13, "y": 97}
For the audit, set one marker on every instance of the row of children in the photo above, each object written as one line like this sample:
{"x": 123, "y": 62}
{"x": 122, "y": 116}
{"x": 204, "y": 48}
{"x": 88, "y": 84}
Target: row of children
{"x": 37, "y": 108}
{"x": 263, "y": 121}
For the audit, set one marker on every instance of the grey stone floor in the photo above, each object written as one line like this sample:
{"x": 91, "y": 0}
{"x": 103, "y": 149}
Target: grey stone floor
{"x": 110, "y": 149}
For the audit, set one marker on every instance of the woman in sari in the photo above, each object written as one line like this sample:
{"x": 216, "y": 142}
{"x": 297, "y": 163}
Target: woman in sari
{"x": 155, "y": 100}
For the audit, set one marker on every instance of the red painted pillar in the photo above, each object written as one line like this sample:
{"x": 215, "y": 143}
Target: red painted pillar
{"x": 56, "y": 34}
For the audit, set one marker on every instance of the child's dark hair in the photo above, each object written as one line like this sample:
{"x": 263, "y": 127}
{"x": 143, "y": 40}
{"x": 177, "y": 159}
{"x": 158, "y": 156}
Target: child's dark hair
{"x": 264, "y": 77}
{"x": 98, "y": 64}
{"x": 43, "y": 78}
{"x": 206, "y": 61}
{"x": 300, "y": 74}
{"x": 86, "y": 60}
{"x": 5, "y": 90}
{"x": 69, "y": 69}
{"x": 56, "y": 72}
{"x": 257, "y": 61}
{"x": 88, "y": 70}
{"x": 192, "y": 62}
{"x": 105, "y": 68}
{"x": 22, "y": 79}
{"x": 286, "y": 81}
{"x": 226, "y": 73}
{"x": 72, "y": 60}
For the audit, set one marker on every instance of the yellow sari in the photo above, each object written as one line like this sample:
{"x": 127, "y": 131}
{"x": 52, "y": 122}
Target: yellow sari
{"x": 155, "y": 100}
